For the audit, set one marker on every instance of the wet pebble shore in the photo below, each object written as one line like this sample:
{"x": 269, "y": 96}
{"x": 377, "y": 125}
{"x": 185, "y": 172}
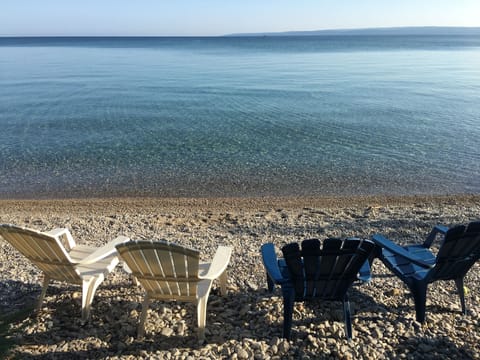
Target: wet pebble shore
{"x": 247, "y": 322}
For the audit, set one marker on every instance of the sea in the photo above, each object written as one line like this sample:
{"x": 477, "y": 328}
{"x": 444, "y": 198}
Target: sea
{"x": 239, "y": 116}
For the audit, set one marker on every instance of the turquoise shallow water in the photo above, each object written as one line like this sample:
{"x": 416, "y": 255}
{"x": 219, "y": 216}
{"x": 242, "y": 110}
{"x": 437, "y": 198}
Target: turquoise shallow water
{"x": 239, "y": 116}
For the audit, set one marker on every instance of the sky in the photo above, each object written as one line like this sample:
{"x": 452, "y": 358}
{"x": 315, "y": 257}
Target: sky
{"x": 220, "y": 17}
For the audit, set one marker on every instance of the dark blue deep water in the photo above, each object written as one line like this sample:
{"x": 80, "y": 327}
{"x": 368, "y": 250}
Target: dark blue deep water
{"x": 239, "y": 116}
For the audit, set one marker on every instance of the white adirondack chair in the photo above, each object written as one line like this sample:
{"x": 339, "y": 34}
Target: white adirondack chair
{"x": 172, "y": 272}
{"x": 57, "y": 255}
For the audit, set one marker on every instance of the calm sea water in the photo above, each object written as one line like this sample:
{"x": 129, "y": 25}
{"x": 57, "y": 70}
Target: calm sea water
{"x": 239, "y": 116}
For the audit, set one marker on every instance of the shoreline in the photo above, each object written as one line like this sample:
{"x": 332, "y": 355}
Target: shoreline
{"x": 248, "y": 202}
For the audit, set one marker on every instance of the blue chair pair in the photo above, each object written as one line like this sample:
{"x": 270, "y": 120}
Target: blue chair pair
{"x": 328, "y": 272}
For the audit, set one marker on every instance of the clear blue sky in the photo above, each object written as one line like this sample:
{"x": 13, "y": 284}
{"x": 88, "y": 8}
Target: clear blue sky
{"x": 218, "y": 17}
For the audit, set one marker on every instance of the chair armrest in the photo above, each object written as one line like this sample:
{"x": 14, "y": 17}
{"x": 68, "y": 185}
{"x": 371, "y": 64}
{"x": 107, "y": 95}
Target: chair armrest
{"x": 104, "y": 251}
{"x": 219, "y": 263}
{"x": 398, "y": 250}
{"x": 271, "y": 263}
{"x": 58, "y": 234}
{"x": 437, "y": 229}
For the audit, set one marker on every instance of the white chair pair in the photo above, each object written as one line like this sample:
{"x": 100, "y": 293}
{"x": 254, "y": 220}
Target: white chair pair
{"x": 165, "y": 270}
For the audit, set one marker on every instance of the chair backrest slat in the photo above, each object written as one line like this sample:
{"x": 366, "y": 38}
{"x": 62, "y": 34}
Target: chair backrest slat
{"x": 311, "y": 262}
{"x": 329, "y": 267}
{"x": 292, "y": 255}
{"x": 325, "y": 272}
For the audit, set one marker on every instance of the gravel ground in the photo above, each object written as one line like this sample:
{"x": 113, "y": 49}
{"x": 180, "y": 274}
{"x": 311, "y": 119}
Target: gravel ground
{"x": 247, "y": 322}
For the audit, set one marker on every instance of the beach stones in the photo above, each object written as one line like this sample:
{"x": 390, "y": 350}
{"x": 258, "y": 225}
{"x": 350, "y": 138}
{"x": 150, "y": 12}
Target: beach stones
{"x": 247, "y": 322}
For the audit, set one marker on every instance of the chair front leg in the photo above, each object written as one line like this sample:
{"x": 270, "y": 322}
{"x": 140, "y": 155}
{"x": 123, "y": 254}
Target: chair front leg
{"x": 89, "y": 287}
{"x": 419, "y": 292}
{"x": 288, "y": 302}
{"x": 201, "y": 317}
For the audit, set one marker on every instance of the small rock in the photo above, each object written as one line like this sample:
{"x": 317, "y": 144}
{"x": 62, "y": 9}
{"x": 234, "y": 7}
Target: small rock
{"x": 181, "y": 329}
{"x": 284, "y": 346}
{"x": 394, "y": 292}
{"x": 242, "y": 354}
{"x": 252, "y": 285}
{"x": 167, "y": 331}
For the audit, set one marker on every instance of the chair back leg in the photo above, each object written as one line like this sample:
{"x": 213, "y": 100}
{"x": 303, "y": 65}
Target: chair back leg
{"x": 46, "y": 281}
{"x": 347, "y": 318}
{"x": 143, "y": 316}
{"x": 223, "y": 283}
{"x": 201, "y": 317}
{"x": 461, "y": 293}
{"x": 270, "y": 283}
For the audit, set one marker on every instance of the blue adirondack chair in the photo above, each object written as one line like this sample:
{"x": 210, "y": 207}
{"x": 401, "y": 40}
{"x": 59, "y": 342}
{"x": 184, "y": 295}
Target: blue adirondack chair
{"x": 313, "y": 272}
{"x": 417, "y": 266}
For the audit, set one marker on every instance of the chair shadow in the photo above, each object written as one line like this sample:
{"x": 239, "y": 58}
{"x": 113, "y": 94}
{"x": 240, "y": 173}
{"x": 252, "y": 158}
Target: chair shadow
{"x": 408, "y": 307}
{"x": 17, "y": 296}
{"x": 440, "y": 347}
{"x": 239, "y": 315}
{"x": 362, "y": 307}
{"x": 113, "y": 328}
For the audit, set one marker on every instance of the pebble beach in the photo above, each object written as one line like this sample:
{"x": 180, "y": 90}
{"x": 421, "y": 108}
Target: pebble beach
{"x": 247, "y": 322}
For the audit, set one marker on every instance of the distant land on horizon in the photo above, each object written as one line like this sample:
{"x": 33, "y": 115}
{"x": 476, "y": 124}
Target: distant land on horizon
{"x": 380, "y": 31}
{"x": 409, "y": 30}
